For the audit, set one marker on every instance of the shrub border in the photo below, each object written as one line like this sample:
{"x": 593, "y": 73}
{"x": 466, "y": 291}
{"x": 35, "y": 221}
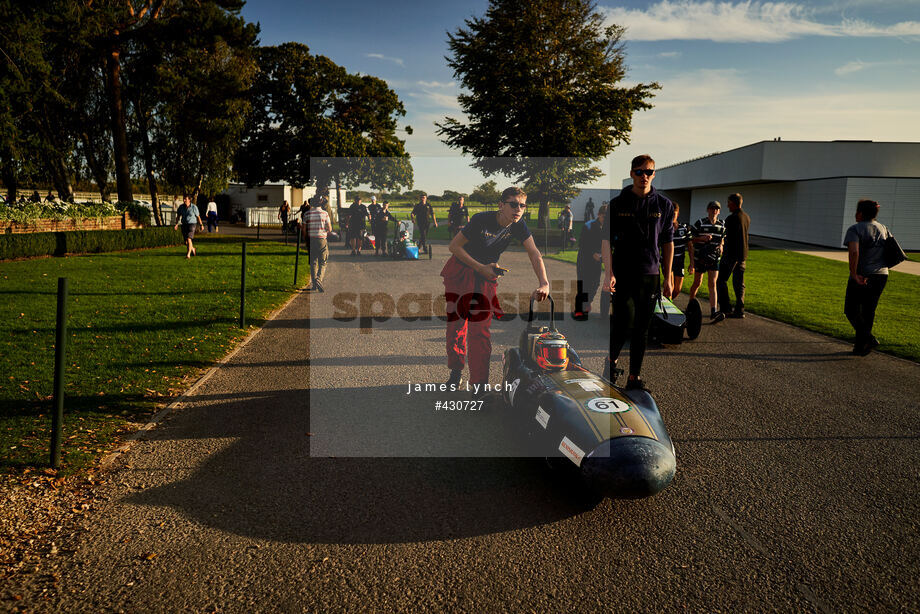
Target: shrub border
{"x": 37, "y": 244}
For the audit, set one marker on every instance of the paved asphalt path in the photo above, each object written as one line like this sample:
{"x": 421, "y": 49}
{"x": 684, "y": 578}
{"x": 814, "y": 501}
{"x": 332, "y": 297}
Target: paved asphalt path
{"x": 796, "y": 489}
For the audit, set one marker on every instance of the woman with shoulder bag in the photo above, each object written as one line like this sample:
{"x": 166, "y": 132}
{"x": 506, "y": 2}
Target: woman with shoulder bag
{"x": 865, "y": 241}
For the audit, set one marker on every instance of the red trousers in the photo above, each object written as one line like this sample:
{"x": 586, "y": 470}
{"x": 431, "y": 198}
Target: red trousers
{"x": 471, "y": 302}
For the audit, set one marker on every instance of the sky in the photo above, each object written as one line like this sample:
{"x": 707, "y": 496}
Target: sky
{"x": 732, "y": 73}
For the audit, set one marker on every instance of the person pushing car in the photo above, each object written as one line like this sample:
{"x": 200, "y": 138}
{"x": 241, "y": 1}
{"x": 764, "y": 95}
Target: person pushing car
{"x": 470, "y": 284}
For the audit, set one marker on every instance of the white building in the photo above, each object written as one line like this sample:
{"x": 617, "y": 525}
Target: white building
{"x": 261, "y": 203}
{"x": 804, "y": 191}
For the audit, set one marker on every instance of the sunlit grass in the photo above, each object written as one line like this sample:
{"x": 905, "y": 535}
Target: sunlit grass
{"x": 808, "y": 291}
{"x": 142, "y": 326}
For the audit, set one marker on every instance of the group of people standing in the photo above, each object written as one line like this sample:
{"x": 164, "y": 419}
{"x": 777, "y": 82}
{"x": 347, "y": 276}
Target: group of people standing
{"x": 354, "y": 224}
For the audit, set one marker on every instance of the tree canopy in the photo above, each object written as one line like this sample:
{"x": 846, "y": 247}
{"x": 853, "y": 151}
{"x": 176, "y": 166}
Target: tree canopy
{"x": 541, "y": 99}
{"x": 313, "y": 120}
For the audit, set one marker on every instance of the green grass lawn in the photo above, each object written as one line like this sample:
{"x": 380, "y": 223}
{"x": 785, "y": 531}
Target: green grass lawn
{"x": 808, "y": 291}
{"x": 915, "y": 256}
{"x": 142, "y": 326}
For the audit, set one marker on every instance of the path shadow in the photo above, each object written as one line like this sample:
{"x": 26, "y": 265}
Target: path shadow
{"x": 266, "y": 485}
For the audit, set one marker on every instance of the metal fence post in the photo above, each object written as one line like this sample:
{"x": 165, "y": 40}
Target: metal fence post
{"x": 243, "y": 289}
{"x": 258, "y": 229}
{"x": 60, "y": 345}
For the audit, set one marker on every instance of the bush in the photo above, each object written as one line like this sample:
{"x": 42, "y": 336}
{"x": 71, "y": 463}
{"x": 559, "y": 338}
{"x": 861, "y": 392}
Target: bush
{"x": 31, "y": 245}
{"x": 137, "y": 211}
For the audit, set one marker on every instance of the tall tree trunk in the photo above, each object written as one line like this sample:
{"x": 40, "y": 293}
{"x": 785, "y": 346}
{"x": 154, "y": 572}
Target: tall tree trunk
{"x": 54, "y": 160}
{"x": 148, "y": 162}
{"x": 9, "y": 180}
{"x": 198, "y": 180}
{"x": 99, "y": 172}
{"x": 119, "y": 125}
{"x": 338, "y": 197}
{"x": 543, "y": 215}
{"x": 62, "y": 180}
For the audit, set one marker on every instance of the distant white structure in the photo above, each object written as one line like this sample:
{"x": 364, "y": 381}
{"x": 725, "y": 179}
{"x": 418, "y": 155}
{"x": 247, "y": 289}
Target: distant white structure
{"x": 804, "y": 191}
{"x": 261, "y": 203}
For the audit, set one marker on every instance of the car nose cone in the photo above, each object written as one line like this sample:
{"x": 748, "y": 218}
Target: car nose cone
{"x": 629, "y": 467}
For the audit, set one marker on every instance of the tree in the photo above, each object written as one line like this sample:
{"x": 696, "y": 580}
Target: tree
{"x": 313, "y": 121}
{"x": 109, "y": 30}
{"x": 186, "y": 80}
{"x": 486, "y": 193}
{"x": 541, "y": 79}
{"x": 37, "y": 123}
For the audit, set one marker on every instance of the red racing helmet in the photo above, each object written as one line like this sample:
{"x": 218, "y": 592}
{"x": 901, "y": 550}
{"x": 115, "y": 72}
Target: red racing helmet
{"x": 551, "y": 351}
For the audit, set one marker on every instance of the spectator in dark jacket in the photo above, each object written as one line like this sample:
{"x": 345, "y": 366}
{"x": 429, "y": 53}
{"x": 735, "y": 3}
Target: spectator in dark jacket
{"x": 734, "y": 258}
{"x": 588, "y": 265}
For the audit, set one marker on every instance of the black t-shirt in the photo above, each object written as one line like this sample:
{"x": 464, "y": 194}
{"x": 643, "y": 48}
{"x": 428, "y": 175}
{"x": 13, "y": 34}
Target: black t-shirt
{"x": 382, "y": 217}
{"x": 423, "y": 214}
{"x": 457, "y": 214}
{"x": 487, "y": 239}
{"x": 358, "y": 217}
{"x": 589, "y": 243}
{"x": 373, "y": 210}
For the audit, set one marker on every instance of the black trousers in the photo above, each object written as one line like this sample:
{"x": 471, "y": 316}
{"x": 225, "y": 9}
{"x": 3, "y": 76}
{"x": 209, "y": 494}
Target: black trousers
{"x": 860, "y": 304}
{"x": 380, "y": 237}
{"x": 633, "y": 305}
{"x": 734, "y": 268}
{"x": 588, "y": 275}
{"x": 422, "y": 237}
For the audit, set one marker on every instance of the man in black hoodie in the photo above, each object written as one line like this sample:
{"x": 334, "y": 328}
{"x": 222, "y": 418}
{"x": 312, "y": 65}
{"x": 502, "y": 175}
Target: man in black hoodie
{"x": 638, "y": 242}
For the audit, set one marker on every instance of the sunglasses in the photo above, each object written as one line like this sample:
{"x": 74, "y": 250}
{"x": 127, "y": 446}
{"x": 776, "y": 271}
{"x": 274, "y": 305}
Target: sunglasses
{"x": 648, "y": 172}
{"x": 515, "y": 204}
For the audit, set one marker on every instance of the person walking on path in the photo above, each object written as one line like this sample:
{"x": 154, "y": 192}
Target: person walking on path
{"x": 212, "y": 215}
{"x": 318, "y": 226}
{"x": 283, "y": 213}
{"x": 681, "y": 239}
{"x": 357, "y": 226}
{"x": 734, "y": 258}
{"x": 304, "y": 209}
{"x": 457, "y": 217}
{"x": 588, "y": 265}
{"x": 187, "y": 214}
{"x": 638, "y": 243}
{"x": 865, "y": 243}
{"x": 379, "y": 225}
{"x": 705, "y": 250}
{"x": 423, "y": 217}
{"x": 565, "y": 223}
{"x": 471, "y": 281}
{"x": 589, "y": 210}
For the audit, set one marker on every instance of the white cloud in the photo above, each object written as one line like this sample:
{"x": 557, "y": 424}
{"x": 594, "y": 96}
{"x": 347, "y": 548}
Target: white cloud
{"x": 669, "y": 54}
{"x": 436, "y": 84}
{"x": 747, "y": 21}
{"x": 438, "y": 100}
{"x": 380, "y": 56}
{"x": 717, "y": 110}
{"x": 850, "y": 67}
{"x": 858, "y": 65}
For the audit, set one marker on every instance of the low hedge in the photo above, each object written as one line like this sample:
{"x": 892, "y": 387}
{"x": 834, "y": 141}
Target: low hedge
{"x": 31, "y": 245}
